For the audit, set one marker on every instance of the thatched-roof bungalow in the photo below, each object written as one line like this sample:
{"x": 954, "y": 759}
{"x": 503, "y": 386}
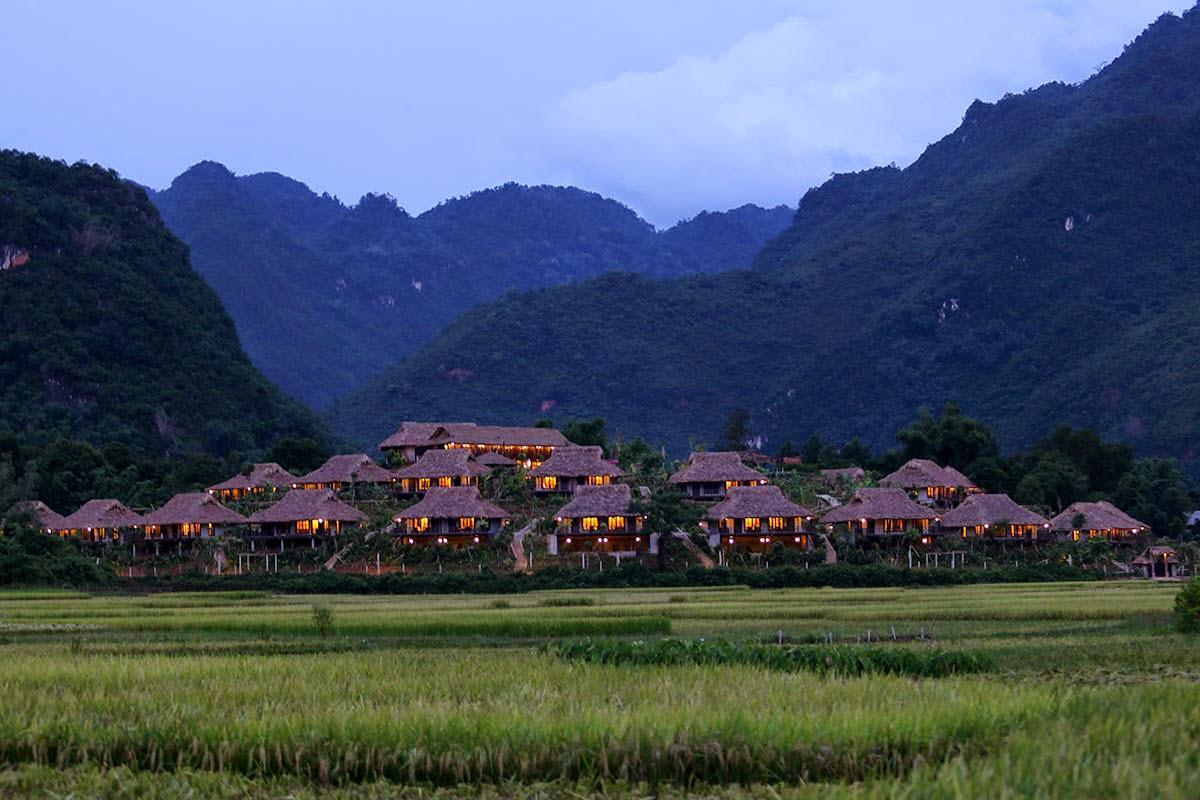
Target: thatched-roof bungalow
{"x": 572, "y": 467}
{"x": 995, "y": 516}
{"x": 440, "y": 468}
{"x": 189, "y": 517}
{"x": 456, "y": 516}
{"x": 600, "y": 518}
{"x": 929, "y": 483}
{"x": 493, "y": 460}
{"x": 1098, "y": 520}
{"x": 527, "y": 446}
{"x": 342, "y": 472}
{"x": 882, "y": 512}
{"x": 43, "y": 516}
{"x": 105, "y": 520}
{"x": 756, "y": 518}
{"x": 1157, "y": 563}
{"x": 413, "y": 438}
{"x": 260, "y": 479}
{"x": 708, "y": 476}
{"x": 310, "y": 514}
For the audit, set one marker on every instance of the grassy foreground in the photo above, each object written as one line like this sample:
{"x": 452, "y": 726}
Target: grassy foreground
{"x": 1085, "y": 690}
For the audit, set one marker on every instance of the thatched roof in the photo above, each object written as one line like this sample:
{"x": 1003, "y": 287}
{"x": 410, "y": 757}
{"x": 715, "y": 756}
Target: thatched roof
{"x": 920, "y": 473}
{"x": 301, "y": 504}
{"x": 198, "y": 507}
{"x": 493, "y": 460}
{"x": 1160, "y": 553}
{"x": 261, "y": 476}
{"x": 577, "y": 462}
{"x": 415, "y": 434}
{"x": 716, "y": 468}
{"x": 1099, "y": 516}
{"x": 988, "y": 509}
{"x": 451, "y": 502}
{"x": 352, "y": 468}
{"x": 47, "y": 519}
{"x": 888, "y": 503}
{"x": 831, "y": 477}
{"x": 756, "y": 501}
{"x": 598, "y": 501}
{"x": 498, "y": 436}
{"x": 105, "y": 513}
{"x": 443, "y": 463}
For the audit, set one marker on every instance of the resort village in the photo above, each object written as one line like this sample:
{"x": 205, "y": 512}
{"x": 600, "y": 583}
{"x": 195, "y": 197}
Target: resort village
{"x": 444, "y": 488}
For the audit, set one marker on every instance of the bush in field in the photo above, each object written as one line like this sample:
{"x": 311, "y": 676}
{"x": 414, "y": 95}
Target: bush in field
{"x": 323, "y": 618}
{"x": 1187, "y": 607}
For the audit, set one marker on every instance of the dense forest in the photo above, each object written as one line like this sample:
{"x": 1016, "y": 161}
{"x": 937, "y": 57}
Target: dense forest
{"x": 108, "y": 336}
{"x": 326, "y": 296}
{"x": 1038, "y": 264}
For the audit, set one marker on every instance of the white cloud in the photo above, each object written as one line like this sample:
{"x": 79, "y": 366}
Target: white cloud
{"x": 833, "y": 87}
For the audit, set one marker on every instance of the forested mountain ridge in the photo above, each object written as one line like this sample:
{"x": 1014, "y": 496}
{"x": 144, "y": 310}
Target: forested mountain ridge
{"x": 1038, "y": 264}
{"x": 327, "y": 295}
{"x": 108, "y": 335}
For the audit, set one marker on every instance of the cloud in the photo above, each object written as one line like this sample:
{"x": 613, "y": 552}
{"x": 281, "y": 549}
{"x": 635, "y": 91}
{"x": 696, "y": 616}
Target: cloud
{"x": 837, "y": 87}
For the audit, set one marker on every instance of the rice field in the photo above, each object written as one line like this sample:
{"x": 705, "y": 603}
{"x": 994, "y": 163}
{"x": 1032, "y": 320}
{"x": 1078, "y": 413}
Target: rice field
{"x": 1044, "y": 690}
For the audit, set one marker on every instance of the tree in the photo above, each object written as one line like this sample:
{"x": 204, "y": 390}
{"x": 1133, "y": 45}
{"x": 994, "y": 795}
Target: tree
{"x": 788, "y": 449}
{"x": 586, "y": 432}
{"x": 736, "y": 430}
{"x": 1187, "y": 607}
{"x": 297, "y": 454}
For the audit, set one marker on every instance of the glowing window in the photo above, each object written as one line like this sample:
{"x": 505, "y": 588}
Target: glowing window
{"x": 597, "y": 480}
{"x": 549, "y": 482}
{"x": 422, "y": 484}
{"x": 776, "y": 523}
{"x": 752, "y": 523}
{"x": 445, "y": 480}
{"x": 591, "y": 523}
{"x": 616, "y": 523}
{"x": 466, "y": 523}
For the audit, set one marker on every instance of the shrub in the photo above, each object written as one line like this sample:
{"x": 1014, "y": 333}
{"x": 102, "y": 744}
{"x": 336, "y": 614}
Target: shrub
{"x": 323, "y": 618}
{"x": 1187, "y": 607}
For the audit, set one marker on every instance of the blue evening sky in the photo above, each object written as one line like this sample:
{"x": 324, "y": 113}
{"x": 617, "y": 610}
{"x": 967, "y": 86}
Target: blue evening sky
{"x": 670, "y": 107}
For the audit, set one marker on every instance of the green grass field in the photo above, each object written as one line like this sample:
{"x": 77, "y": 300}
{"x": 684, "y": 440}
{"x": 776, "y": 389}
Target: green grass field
{"x": 1085, "y": 691}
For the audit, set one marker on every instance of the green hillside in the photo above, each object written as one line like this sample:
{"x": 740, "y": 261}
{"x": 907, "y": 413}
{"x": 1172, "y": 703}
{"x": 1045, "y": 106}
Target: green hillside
{"x": 326, "y": 296}
{"x": 108, "y": 335}
{"x": 1038, "y": 264}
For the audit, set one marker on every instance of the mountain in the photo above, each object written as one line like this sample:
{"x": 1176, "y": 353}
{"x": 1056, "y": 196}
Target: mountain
{"x": 325, "y": 296}
{"x": 107, "y": 333}
{"x": 1039, "y": 265}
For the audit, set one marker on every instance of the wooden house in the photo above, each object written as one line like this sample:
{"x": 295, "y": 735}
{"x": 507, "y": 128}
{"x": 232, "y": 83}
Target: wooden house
{"x": 929, "y": 483}
{"x": 571, "y": 467}
{"x": 342, "y": 472}
{"x": 105, "y": 521}
{"x": 994, "y": 516}
{"x": 303, "y": 514}
{"x": 260, "y": 479}
{"x": 452, "y": 516}
{"x": 1157, "y": 563}
{"x": 1098, "y": 520}
{"x": 886, "y": 512}
{"x": 756, "y": 519}
{"x": 708, "y": 476}
{"x": 412, "y": 439}
{"x": 440, "y": 468}
{"x": 600, "y": 519}
{"x": 43, "y": 516}
{"x": 188, "y": 517}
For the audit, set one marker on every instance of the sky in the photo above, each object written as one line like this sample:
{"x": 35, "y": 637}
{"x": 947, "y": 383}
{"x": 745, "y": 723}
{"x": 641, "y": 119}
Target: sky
{"x": 670, "y": 107}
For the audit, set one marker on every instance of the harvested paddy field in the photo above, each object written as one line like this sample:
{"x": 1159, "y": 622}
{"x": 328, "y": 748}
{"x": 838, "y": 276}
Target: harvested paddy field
{"x": 1019, "y": 690}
